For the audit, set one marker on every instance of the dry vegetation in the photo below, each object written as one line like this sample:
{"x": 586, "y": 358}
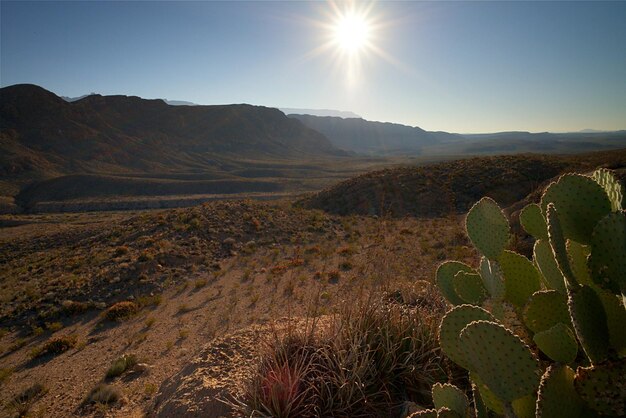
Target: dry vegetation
{"x": 158, "y": 285}
{"x": 102, "y": 310}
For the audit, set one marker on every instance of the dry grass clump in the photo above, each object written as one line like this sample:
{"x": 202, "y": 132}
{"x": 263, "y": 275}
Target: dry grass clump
{"x": 121, "y": 311}
{"x": 370, "y": 360}
{"x": 22, "y": 403}
{"x": 55, "y": 346}
{"x": 71, "y": 307}
{"x": 104, "y": 394}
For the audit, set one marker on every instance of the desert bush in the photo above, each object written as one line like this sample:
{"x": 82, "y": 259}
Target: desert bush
{"x": 71, "y": 307}
{"x": 542, "y": 336}
{"x": 104, "y": 394}
{"x": 121, "y": 311}
{"x": 22, "y": 403}
{"x": 120, "y": 365}
{"x": 367, "y": 362}
{"x": 55, "y": 346}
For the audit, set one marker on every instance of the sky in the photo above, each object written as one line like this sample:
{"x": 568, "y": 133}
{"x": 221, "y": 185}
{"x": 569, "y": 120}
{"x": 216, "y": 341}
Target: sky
{"x": 464, "y": 67}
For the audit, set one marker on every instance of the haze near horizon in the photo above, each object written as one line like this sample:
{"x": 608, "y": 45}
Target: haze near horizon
{"x": 454, "y": 66}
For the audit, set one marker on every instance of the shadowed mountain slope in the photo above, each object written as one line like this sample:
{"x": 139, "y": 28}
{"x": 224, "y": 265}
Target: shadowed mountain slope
{"x": 43, "y": 135}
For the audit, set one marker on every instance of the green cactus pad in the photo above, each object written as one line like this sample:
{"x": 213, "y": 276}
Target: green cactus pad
{"x": 545, "y": 261}
{"x": 533, "y": 222}
{"x": 524, "y": 407}
{"x": 490, "y": 400}
{"x": 448, "y": 413}
{"x": 450, "y": 329}
{"x": 615, "y": 320}
{"x": 492, "y": 278}
{"x": 613, "y": 188}
{"x": 557, "y": 242}
{"x": 469, "y": 287}
{"x": 445, "y": 276}
{"x": 577, "y": 255}
{"x": 557, "y": 397}
{"x": 521, "y": 278}
{"x": 608, "y": 252}
{"x": 545, "y": 309}
{"x": 589, "y": 320}
{"x": 449, "y": 396}
{"x": 559, "y": 343}
{"x": 581, "y": 203}
{"x": 488, "y": 228}
{"x": 480, "y": 410}
{"x": 501, "y": 359}
{"x": 603, "y": 387}
{"x": 426, "y": 413}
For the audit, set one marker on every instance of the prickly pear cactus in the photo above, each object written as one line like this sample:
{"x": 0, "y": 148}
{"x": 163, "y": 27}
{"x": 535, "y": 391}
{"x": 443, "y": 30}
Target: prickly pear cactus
{"x": 581, "y": 203}
{"x": 488, "y": 228}
{"x": 511, "y": 371}
{"x": 557, "y": 396}
{"x": 549, "y": 339}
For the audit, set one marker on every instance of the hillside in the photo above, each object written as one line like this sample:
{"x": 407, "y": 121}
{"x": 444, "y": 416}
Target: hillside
{"x": 452, "y": 187}
{"x": 43, "y": 135}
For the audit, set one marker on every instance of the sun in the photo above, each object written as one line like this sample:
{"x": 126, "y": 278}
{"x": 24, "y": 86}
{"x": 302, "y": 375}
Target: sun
{"x": 352, "y": 32}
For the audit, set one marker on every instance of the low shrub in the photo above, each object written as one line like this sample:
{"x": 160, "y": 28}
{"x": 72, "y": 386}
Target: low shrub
{"x": 55, "y": 346}
{"x": 367, "y": 362}
{"x": 121, "y": 311}
{"x": 104, "y": 394}
{"x": 120, "y": 365}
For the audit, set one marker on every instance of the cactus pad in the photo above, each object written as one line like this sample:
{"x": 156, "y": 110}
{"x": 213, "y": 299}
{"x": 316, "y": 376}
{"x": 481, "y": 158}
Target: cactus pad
{"x": 469, "y": 287}
{"x": 589, "y": 322}
{"x": 524, "y": 407}
{"x": 445, "y": 276}
{"x": 533, "y": 222}
{"x": 510, "y": 371}
{"x": 492, "y": 278}
{"x": 480, "y": 410}
{"x": 581, "y": 203}
{"x": 603, "y": 388}
{"x": 521, "y": 278}
{"x": 450, "y": 329}
{"x": 557, "y": 242}
{"x": 615, "y": 320}
{"x": 577, "y": 255}
{"x": 545, "y": 309}
{"x": 544, "y": 259}
{"x": 608, "y": 252}
{"x": 449, "y": 396}
{"x": 559, "y": 343}
{"x": 426, "y": 413}
{"x": 611, "y": 186}
{"x": 488, "y": 398}
{"x": 448, "y": 413}
{"x": 488, "y": 228}
{"x": 557, "y": 397}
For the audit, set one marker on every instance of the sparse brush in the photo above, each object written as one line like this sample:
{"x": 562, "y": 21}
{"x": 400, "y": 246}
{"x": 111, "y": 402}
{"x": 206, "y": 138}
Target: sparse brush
{"x": 72, "y": 307}
{"x": 55, "y": 346}
{"x": 104, "y": 394}
{"x": 120, "y": 365}
{"x": 21, "y": 403}
{"x": 5, "y": 374}
{"x": 370, "y": 360}
{"x": 121, "y": 311}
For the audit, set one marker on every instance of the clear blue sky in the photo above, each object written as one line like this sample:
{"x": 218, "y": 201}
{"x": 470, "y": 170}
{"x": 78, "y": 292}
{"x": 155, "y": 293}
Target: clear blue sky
{"x": 454, "y": 66}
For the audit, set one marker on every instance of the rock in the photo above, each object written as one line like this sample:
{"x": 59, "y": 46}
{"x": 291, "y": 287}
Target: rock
{"x": 229, "y": 241}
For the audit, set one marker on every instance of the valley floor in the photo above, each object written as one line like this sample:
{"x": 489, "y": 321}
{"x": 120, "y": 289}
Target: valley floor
{"x": 197, "y": 276}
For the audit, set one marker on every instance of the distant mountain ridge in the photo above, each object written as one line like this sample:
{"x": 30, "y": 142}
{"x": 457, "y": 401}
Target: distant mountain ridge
{"x": 383, "y": 138}
{"x": 319, "y": 112}
{"x": 43, "y": 134}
